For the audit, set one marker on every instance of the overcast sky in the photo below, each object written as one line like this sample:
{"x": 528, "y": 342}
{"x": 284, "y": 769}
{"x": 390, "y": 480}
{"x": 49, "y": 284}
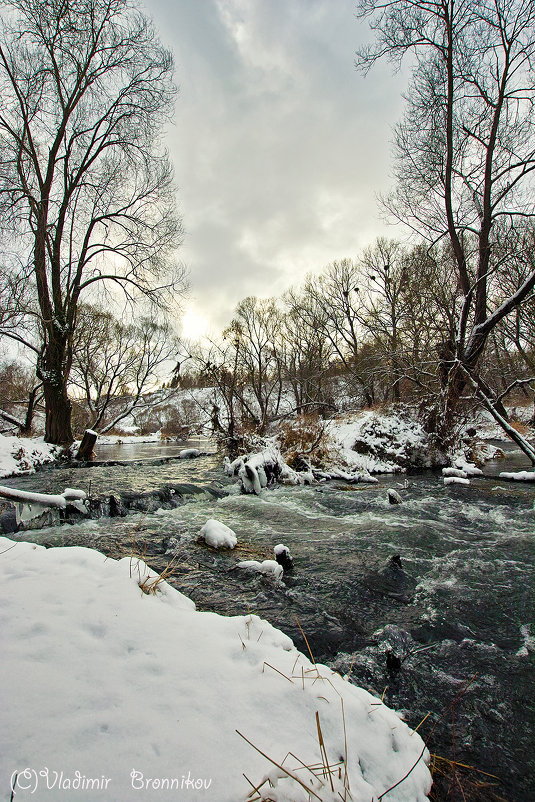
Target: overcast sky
{"x": 280, "y": 146}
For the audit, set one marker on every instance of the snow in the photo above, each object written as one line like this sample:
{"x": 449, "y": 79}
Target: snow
{"x": 22, "y": 454}
{"x": 108, "y": 690}
{"x": 280, "y": 548}
{"x": 528, "y": 647}
{"x": 218, "y": 535}
{"x": 383, "y": 442}
{"x": 456, "y": 480}
{"x": 454, "y": 472}
{"x": 189, "y": 453}
{"x": 265, "y": 567}
{"x": 71, "y": 493}
{"x": 518, "y": 476}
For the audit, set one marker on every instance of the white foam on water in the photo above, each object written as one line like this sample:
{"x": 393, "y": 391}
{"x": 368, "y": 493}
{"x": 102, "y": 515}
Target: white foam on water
{"x": 528, "y": 646}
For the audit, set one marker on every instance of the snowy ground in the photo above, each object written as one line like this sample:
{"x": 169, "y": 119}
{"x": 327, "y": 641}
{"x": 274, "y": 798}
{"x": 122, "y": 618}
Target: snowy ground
{"x": 488, "y": 429}
{"x": 114, "y": 439}
{"x": 22, "y": 454}
{"x": 386, "y": 442}
{"x": 110, "y": 693}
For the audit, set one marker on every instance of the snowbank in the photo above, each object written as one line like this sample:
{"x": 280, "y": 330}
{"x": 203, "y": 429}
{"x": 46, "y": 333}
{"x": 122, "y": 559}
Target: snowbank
{"x": 383, "y": 442}
{"x": 119, "y": 439}
{"x": 23, "y": 454}
{"x": 108, "y": 691}
{"x": 488, "y": 429}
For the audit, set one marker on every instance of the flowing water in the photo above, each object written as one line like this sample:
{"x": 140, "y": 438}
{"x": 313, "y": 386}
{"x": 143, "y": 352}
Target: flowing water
{"x": 458, "y": 611}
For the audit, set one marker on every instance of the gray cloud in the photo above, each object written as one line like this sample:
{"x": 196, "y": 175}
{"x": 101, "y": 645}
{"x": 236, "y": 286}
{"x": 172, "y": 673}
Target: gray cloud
{"x": 280, "y": 146}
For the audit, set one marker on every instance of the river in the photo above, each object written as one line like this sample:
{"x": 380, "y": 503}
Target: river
{"x": 458, "y": 611}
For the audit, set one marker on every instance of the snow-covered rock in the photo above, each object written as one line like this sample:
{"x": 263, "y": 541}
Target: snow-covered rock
{"x": 454, "y": 472}
{"x": 265, "y": 567}
{"x": 283, "y": 556}
{"x": 101, "y": 680}
{"x": 353, "y": 477}
{"x": 257, "y": 471}
{"x": 456, "y": 480}
{"x": 468, "y": 468}
{"x": 218, "y": 535}
{"x": 394, "y": 497}
{"x": 518, "y": 476}
{"x": 189, "y": 453}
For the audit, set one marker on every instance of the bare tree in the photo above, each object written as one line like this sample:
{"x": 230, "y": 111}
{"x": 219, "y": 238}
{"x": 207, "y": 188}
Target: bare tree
{"x": 226, "y": 403}
{"x": 85, "y": 187}
{"x": 307, "y": 353}
{"x": 465, "y": 150}
{"x": 115, "y": 364}
{"x": 256, "y": 329}
{"x": 19, "y": 395}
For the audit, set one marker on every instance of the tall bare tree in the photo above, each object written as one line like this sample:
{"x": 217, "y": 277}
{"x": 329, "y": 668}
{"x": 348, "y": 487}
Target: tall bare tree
{"x": 256, "y": 329}
{"x": 86, "y": 191}
{"x": 116, "y": 364}
{"x": 465, "y": 150}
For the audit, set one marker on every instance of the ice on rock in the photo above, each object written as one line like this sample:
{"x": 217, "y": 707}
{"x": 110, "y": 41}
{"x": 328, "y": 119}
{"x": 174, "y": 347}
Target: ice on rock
{"x": 460, "y": 474}
{"x": 189, "y": 453}
{"x": 265, "y": 567}
{"x": 283, "y": 556}
{"x": 218, "y": 535}
{"x": 26, "y": 512}
{"x": 518, "y": 476}
{"x": 456, "y": 480}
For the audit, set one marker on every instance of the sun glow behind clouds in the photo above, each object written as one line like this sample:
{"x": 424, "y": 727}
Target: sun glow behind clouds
{"x": 195, "y": 325}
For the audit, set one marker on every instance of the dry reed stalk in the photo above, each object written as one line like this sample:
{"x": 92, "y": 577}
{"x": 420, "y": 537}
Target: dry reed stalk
{"x": 278, "y": 672}
{"x": 323, "y": 751}
{"x": 279, "y": 766}
{"x": 306, "y": 641}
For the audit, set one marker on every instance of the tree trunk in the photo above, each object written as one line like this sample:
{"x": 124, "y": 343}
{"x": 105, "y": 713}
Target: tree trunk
{"x": 85, "y": 452}
{"x": 26, "y": 429}
{"x": 53, "y": 370}
{"x": 58, "y": 429}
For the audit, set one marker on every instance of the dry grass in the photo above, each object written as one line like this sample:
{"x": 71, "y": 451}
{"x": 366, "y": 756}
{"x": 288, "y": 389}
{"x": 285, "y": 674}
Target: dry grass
{"x": 454, "y": 781}
{"x": 148, "y": 580}
{"x": 151, "y": 584}
{"x": 305, "y": 437}
{"x": 521, "y": 427}
{"x": 315, "y": 777}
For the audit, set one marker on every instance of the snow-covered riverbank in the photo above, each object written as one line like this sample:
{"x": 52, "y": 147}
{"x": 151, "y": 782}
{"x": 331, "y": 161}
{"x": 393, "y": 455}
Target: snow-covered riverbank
{"x": 24, "y": 454}
{"x": 110, "y": 692}
{"x": 381, "y": 441}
